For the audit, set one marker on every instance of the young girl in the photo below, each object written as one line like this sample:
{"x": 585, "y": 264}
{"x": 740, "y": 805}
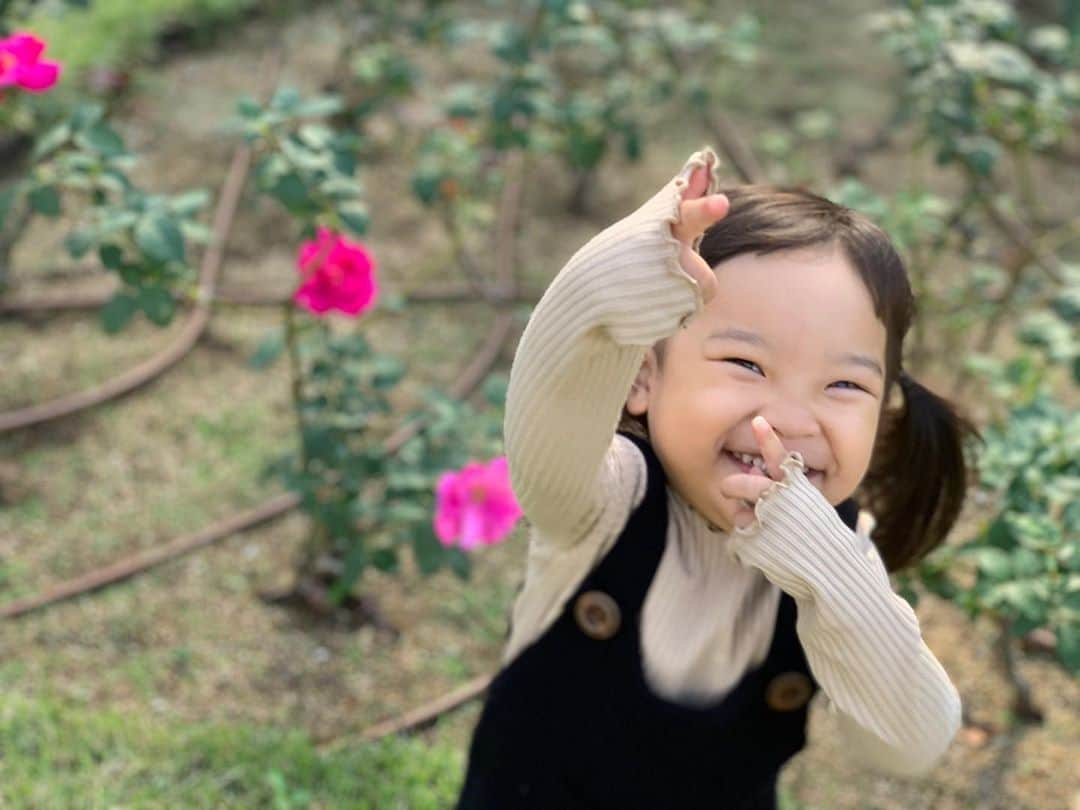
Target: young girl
{"x": 694, "y": 578}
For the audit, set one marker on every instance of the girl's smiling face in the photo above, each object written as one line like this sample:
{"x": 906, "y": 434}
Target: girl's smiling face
{"x": 790, "y": 335}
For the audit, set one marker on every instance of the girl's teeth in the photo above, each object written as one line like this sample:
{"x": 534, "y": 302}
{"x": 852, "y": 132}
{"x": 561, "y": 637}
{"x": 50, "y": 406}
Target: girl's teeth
{"x": 755, "y": 461}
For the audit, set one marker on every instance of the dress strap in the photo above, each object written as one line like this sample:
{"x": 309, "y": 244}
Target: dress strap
{"x": 627, "y": 571}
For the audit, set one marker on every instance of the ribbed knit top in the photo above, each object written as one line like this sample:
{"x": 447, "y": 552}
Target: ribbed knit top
{"x": 709, "y": 614}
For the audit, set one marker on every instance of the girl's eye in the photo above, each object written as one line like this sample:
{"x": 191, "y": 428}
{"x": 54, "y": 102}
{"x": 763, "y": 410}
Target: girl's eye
{"x": 751, "y": 365}
{"x": 741, "y": 361}
{"x": 854, "y": 386}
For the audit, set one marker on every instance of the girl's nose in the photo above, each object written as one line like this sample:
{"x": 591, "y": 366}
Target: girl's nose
{"x": 791, "y": 420}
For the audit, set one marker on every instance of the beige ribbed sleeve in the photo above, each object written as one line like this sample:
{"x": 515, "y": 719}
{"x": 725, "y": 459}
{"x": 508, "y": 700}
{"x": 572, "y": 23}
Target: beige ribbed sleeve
{"x": 619, "y": 294}
{"x": 897, "y": 705}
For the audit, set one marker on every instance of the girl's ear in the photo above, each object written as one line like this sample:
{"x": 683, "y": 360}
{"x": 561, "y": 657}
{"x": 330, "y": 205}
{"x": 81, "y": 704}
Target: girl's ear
{"x": 637, "y": 402}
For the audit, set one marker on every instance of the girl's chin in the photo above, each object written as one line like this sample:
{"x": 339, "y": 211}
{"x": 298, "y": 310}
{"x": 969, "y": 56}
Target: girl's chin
{"x": 728, "y": 514}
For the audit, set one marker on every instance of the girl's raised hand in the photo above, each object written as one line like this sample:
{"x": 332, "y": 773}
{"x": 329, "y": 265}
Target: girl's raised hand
{"x": 749, "y": 487}
{"x": 696, "y": 213}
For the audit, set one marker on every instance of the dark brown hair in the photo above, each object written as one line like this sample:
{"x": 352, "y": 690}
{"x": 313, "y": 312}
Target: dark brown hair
{"x": 918, "y": 476}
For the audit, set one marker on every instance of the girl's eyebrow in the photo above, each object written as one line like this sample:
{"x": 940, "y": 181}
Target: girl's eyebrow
{"x": 734, "y": 333}
{"x": 754, "y": 339}
{"x": 855, "y": 359}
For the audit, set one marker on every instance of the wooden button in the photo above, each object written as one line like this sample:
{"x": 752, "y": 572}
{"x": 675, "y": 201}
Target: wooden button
{"x": 788, "y": 691}
{"x": 597, "y": 615}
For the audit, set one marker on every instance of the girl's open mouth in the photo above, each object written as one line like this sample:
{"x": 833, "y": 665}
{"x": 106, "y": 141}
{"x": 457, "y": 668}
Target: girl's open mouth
{"x": 755, "y": 465}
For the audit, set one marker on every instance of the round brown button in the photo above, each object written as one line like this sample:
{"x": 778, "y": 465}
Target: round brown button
{"x": 788, "y": 691}
{"x": 597, "y": 615}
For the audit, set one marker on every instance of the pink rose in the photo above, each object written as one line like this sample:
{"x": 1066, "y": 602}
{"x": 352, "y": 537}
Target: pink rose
{"x": 336, "y": 274}
{"x": 21, "y": 65}
{"x": 476, "y": 505}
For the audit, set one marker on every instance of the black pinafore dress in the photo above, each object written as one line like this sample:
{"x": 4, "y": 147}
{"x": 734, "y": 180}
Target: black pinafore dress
{"x": 571, "y": 723}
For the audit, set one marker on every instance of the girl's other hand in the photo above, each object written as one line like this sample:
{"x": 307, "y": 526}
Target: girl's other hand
{"x": 696, "y": 213}
{"x": 747, "y": 488}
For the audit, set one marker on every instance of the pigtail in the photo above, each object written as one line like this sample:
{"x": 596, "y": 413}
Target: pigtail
{"x": 918, "y": 479}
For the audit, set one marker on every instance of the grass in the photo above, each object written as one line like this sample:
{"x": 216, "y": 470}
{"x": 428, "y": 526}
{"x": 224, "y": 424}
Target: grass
{"x": 117, "y": 34}
{"x": 61, "y": 756}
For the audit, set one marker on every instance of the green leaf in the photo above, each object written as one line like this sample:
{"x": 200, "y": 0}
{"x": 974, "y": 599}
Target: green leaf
{"x": 1026, "y": 597}
{"x": 112, "y": 221}
{"x": 112, "y": 256}
{"x": 1035, "y": 531}
{"x": 632, "y": 143}
{"x": 429, "y": 552}
{"x": 318, "y": 107}
{"x": 994, "y": 563}
{"x": 115, "y": 181}
{"x": 355, "y": 561}
{"x": 345, "y": 160}
{"x": 1067, "y": 305}
{"x": 248, "y": 108}
{"x": 1068, "y": 646}
{"x": 159, "y": 237}
{"x": 982, "y": 158}
{"x": 585, "y": 152}
{"x": 319, "y": 442}
{"x": 495, "y": 387}
{"x": 388, "y": 372}
{"x": 286, "y": 99}
{"x": 269, "y": 349}
{"x": 189, "y": 202}
{"x": 45, "y": 200}
{"x": 316, "y": 136}
{"x": 305, "y": 158}
{"x": 7, "y": 201}
{"x": 117, "y": 312}
{"x": 355, "y": 217}
{"x": 158, "y": 304}
{"x": 385, "y": 559}
{"x": 51, "y": 141}
{"x": 103, "y": 139}
{"x": 393, "y": 302}
{"x": 1022, "y": 625}
{"x": 511, "y": 44}
{"x": 131, "y": 274}
{"x": 1027, "y": 563}
{"x": 291, "y": 192}
{"x": 408, "y": 480}
{"x": 86, "y": 115}
{"x": 405, "y": 511}
{"x": 460, "y": 563}
{"x": 908, "y": 592}
{"x": 1000, "y": 535}
{"x": 79, "y": 242}
{"x": 425, "y": 185}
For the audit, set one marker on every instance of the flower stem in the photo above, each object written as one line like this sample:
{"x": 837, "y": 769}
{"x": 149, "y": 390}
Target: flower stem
{"x": 292, "y": 342}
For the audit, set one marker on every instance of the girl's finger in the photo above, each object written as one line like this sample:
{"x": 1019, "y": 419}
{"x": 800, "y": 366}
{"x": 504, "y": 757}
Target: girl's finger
{"x": 772, "y": 449}
{"x": 745, "y": 486}
{"x": 700, "y": 271}
{"x": 696, "y": 215}
{"x": 699, "y": 183}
